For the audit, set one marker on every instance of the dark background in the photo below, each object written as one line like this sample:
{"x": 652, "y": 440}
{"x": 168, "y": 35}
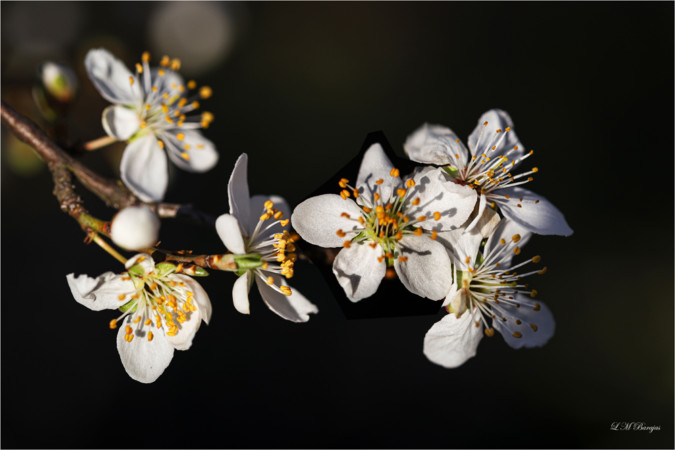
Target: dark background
{"x": 589, "y": 87}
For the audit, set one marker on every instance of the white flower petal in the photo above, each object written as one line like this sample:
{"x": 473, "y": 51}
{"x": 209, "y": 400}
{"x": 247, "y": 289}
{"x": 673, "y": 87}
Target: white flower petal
{"x": 143, "y": 169}
{"x": 145, "y": 261}
{"x": 437, "y": 194}
{"x": 294, "y": 307}
{"x": 237, "y": 190}
{"x": 101, "y": 292}
{"x": 435, "y": 144}
{"x": 186, "y": 331}
{"x": 257, "y": 209}
{"x": 534, "y": 213}
{"x": 462, "y": 246}
{"x": 529, "y": 313}
{"x": 229, "y": 232}
{"x": 375, "y": 166}
{"x": 120, "y": 122}
{"x": 427, "y": 271}
{"x": 194, "y": 153}
{"x": 169, "y": 82}
{"x": 452, "y": 341}
{"x": 358, "y": 270}
{"x": 484, "y": 137}
{"x": 201, "y": 298}
{"x": 486, "y": 219}
{"x": 111, "y": 78}
{"x": 144, "y": 360}
{"x": 318, "y": 219}
{"x": 240, "y": 293}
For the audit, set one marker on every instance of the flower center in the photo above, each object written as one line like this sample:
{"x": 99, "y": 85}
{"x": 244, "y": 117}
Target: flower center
{"x": 384, "y": 218}
{"x": 275, "y": 251}
{"x": 486, "y": 173}
{"x": 486, "y": 287}
{"x": 161, "y": 301}
{"x": 167, "y": 101}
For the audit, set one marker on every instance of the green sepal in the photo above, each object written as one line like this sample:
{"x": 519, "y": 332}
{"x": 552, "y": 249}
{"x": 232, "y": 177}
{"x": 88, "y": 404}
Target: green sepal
{"x": 240, "y": 272}
{"x": 163, "y": 268}
{"x": 137, "y": 270}
{"x": 248, "y": 261}
{"x": 452, "y": 171}
{"x": 195, "y": 271}
{"x": 128, "y": 305}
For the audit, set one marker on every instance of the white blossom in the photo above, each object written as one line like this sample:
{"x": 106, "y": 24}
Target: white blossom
{"x": 150, "y": 111}
{"x": 265, "y": 252}
{"x": 392, "y": 222}
{"x": 161, "y": 311}
{"x": 487, "y": 166}
{"x": 488, "y": 295}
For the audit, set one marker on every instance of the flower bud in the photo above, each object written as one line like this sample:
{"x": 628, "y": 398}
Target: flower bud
{"x": 58, "y": 81}
{"x": 135, "y": 228}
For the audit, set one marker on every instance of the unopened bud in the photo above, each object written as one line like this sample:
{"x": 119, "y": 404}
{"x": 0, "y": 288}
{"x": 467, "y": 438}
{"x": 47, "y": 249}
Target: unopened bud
{"x": 135, "y": 228}
{"x": 59, "y": 81}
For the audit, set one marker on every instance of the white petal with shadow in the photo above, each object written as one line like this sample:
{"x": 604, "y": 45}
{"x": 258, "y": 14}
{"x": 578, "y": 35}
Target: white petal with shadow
{"x": 101, "y": 292}
{"x": 427, "y": 271}
{"x": 358, "y": 270}
{"x": 318, "y": 220}
{"x": 144, "y": 360}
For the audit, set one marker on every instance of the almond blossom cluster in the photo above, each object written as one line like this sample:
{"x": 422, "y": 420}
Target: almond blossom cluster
{"x": 451, "y": 230}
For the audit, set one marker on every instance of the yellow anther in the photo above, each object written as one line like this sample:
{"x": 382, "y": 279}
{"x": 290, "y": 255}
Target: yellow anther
{"x": 421, "y": 218}
{"x": 380, "y": 259}
{"x": 344, "y": 214}
{"x": 160, "y": 143}
{"x": 137, "y": 319}
{"x": 401, "y": 192}
{"x": 489, "y": 332}
{"x": 542, "y": 271}
{"x": 517, "y": 334}
{"x": 270, "y": 281}
{"x": 191, "y": 84}
{"x": 150, "y": 336}
{"x": 403, "y": 259}
{"x": 165, "y": 61}
{"x": 345, "y": 194}
{"x": 128, "y": 330}
{"x": 341, "y": 233}
{"x": 139, "y": 68}
{"x": 516, "y": 251}
{"x": 410, "y": 183}
{"x": 265, "y": 216}
{"x": 185, "y": 156}
{"x": 121, "y": 297}
{"x": 161, "y": 72}
{"x": 507, "y": 129}
{"x": 416, "y": 201}
{"x": 283, "y": 222}
{"x": 398, "y": 236}
{"x": 499, "y": 130}
{"x": 154, "y": 89}
{"x": 379, "y": 182}
{"x": 535, "y": 169}
{"x": 347, "y": 244}
{"x": 515, "y": 238}
{"x": 343, "y": 182}
{"x": 418, "y": 232}
{"x": 205, "y": 92}
{"x": 434, "y": 234}
{"x": 534, "y": 327}
{"x": 278, "y": 215}
{"x": 207, "y": 117}
{"x": 394, "y": 173}
{"x": 437, "y": 215}
{"x": 129, "y": 337}
{"x": 143, "y": 124}
{"x": 265, "y": 265}
{"x": 175, "y": 64}
{"x": 485, "y": 124}
{"x": 131, "y": 80}
{"x": 534, "y": 293}
{"x": 179, "y": 268}
{"x": 113, "y": 324}
{"x": 536, "y": 259}
{"x": 145, "y": 57}
{"x": 376, "y": 197}
{"x": 366, "y": 209}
